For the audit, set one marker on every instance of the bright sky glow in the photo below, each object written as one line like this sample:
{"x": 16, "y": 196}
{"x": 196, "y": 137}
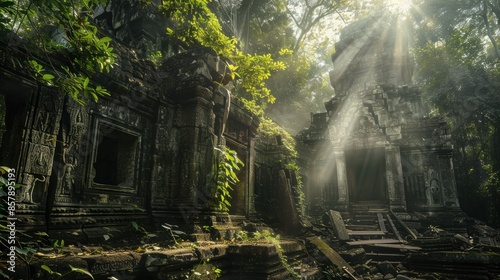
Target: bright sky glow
{"x": 400, "y": 7}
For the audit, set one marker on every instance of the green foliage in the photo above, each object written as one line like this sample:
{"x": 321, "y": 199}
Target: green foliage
{"x": 205, "y": 271}
{"x": 226, "y": 164}
{"x": 268, "y": 128}
{"x": 26, "y": 250}
{"x": 307, "y": 15}
{"x": 242, "y": 235}
{"x": 62, "y": 27}
{"x": 7, "y": 13}
{"x": 173, "y": 232}
{"x": 254, "y": 70}
{"x": 72, "y": 270}
{"x": 196, "y": 25}
{"x": 58, "y": 246}
{"x": 303, "y": 86}
{"x": 139, "y": 228}
{"x": 268, "y": 237}
{"x": 457, "y": 54}
{"x": 301, "y": 195}
{"x": 155, "y": 57}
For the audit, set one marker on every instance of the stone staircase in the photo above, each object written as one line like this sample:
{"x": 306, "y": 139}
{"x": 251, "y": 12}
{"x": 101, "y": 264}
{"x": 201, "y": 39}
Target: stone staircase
{"x": 222, "y": 226}
{"x": 374, "y": 228}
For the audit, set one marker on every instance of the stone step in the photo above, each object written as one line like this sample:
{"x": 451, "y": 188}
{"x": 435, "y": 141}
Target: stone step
{"x": 196, "y": 237}
{"x": 366, "y": 233}
{"x": 225, "y": 232}
{"x": 238, "y": 220}
{"x": 362, "y": 227}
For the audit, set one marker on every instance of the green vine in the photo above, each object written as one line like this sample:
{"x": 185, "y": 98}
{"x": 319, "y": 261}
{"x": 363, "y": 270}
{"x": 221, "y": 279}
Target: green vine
{"x": 226, "y": 164}
{"x": 301, "y": 195}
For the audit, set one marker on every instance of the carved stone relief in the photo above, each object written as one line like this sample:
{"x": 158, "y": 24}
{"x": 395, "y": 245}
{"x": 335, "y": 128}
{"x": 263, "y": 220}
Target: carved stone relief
{"x": 28, "y": 183}
{"x": 39, "y": 159}
{"x": 433, "y": 191}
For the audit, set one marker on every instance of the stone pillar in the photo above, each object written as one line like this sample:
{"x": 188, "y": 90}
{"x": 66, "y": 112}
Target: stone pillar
{"x": 196, "y": 145}
{"x": 448, "y": 182}
{"x": 195, "y": 75}
{"x": 343, "y": 188}
{"x": 394, "y": 177}
{"x": 250, "y": 201}
{"x": 164, "y": 159}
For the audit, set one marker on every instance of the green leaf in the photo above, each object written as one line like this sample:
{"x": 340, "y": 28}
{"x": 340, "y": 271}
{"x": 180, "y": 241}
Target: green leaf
{"x": 86, "y": 82}
{"x": 4, "y": 181}
{"x": 105, "y": 40}
{"x": 178, "y": 232}
{"x": 47, "y": 77}
{"x": 4, "y": 170}
{"x": 135, "y": 225}
{"x": 81, "y": 270}
{"x": 50, "y": 271}
{"x": 22, "y": 251}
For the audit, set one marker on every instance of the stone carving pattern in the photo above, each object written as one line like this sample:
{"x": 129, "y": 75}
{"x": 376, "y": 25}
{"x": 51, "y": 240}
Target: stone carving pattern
{"x": 28, "y": 183}
{"x": 115, "y": 110}
{"x": 48, "y": 113}
{"x": 39, "y": 159}
{"x": 433, "y": 188}
{"x": 72, "y": 147}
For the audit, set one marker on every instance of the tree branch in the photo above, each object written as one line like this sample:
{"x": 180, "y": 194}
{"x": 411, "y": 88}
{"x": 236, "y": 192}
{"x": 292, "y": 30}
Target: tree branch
{"x": 488, "y": 29}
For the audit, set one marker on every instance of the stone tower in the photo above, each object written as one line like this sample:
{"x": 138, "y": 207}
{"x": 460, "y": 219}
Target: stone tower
{"x": 376, "y": 146}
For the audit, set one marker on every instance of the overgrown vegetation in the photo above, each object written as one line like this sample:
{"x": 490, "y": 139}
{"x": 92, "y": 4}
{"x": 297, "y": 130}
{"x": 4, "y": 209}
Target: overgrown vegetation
{"x": 205, "y": 271}
{"x": 27, "y": 247}
{"x": 268, "y": 237}
{"x": 226, "y": 164}
{"x": 458, "y": 59}
{"x": 61, "y": 28}
{"x": 196, "y": 25}
{"x": 72, "y": 270}
{"x": 269, "y": 129}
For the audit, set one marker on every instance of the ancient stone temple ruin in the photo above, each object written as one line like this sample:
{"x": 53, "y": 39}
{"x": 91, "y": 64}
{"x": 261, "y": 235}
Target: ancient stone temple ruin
{"x": 145, "y": 153}
{"x": 375, "y": 145}
{"x": 144, "y": 157}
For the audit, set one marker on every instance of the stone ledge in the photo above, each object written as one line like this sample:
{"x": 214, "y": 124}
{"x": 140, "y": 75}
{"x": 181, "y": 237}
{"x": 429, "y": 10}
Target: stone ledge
{"x": 134, "y": 263}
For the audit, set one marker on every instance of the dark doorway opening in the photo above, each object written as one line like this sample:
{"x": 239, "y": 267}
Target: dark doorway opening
{"x": 116, "y": 157}
{"x": 366, "y": 175}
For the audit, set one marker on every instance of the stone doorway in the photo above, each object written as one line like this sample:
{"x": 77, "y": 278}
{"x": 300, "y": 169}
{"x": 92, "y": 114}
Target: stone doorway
{"x": 238, "y": 194}
{"x": 366, "y": 171}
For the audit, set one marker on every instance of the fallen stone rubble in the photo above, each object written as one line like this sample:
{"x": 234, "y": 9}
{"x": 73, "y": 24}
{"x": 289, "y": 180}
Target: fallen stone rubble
{"x": 363, "y": 245}
{"x": 380, "y": 245}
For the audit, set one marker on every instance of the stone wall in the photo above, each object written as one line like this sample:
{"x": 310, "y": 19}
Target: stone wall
{"x": 144, "y": 154}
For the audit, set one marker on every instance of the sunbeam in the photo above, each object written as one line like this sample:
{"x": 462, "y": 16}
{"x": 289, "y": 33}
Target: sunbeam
{"x": 399, "y": 7}
{"x": 373, "y": 52}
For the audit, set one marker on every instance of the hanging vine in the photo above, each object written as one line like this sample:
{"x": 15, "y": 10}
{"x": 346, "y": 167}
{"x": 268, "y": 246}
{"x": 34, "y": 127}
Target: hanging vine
{"x": 226, "y": 164}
